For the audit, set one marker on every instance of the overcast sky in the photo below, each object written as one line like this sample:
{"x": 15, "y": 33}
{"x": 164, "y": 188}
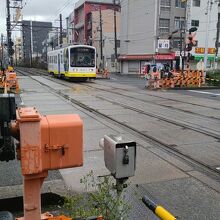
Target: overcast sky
{"x": 39, "y": 10}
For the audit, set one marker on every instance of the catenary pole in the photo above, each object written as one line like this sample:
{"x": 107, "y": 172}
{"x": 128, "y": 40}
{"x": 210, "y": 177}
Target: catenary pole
{"x": 9, "y": 41}
{"x": 115, "y": 34}
{"x": 217, "y": 37}
{"x": 2, "y": 46}
{"x": 101, "y": 40}
{"x": 31, "y": 44}
{"x": 61, "y": 30}
{"x": 208, "y": 14}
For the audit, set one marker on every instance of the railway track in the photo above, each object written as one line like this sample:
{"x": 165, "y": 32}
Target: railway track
{"x": 199, "y": 165}
{"x": 197, "y": 128}
{"x": 112, "y": 90}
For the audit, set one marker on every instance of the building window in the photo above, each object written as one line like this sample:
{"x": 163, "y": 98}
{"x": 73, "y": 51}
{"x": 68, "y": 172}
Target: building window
{"x": 180, "y": 4}
{"x": 195, "y": 23}
{"x": 118, "y": 43}
{"x": 176, "y": 43}
{"x": 196, "y": 3}
{"x": 165, "y": 5}
{"x": 164, "y": 26}
{"x": 179, "y": 22}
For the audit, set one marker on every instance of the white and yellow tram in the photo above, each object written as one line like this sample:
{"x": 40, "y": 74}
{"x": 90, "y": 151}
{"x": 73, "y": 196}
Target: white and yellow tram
{"x": 73, "y": 62}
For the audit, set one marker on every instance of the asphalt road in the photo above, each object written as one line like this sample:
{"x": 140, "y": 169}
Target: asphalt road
{"x": 139, "y": 82}
{"x": 207, "y": 93}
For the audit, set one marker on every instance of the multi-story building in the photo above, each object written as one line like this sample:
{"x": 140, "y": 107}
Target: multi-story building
{"x": 52, "y": 41}
{"x": 147, "y": 33}
{"x": 70, "y": 28}
{"x": 94, "y": 25}
{"x": 33, "y": 34}
{"x": 3, "y": 52}
{"x": 18, "y": 50}
{"x": 198, "y": 12}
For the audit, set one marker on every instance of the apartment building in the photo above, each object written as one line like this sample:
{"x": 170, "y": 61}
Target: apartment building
{"x": 94, "y": 25}
{"x": 147, "y": 33}
{"x": 203, "y": 15}
{"x": 70, "y": 28}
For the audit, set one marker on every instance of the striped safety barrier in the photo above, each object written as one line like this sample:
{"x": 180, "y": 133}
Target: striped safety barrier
{"x": 177, "y": 79}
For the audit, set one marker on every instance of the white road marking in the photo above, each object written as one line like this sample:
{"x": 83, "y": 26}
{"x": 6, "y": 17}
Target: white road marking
{"x": 217, "y": 168}
{"x": 203, "y": 92}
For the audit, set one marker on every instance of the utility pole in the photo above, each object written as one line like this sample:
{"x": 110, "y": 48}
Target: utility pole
{"x": 217, "y": 37}
{"x": 31, "y": 44}
{"x": 2, "y": 46}
{"x": 16, "y": 62}
{"x": 115, "y": 33}
{"x": 61, "y": 30}
{"x": 9, "y": 41}
{"x": 208, "y": 14}
{"x": 181, "y": 47}
{"x": 101, "y": 40}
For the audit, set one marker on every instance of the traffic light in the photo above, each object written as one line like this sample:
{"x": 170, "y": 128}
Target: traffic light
{"x": 11, "y": 51}
{"x": 11, "y": 43}
{"x": 190, "y": 41}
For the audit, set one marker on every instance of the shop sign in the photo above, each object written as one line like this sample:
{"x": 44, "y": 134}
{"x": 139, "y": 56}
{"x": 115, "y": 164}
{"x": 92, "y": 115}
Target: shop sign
{"x": 201, "y": 50}
{"x": 163, "y": 44}
{"x": 165, "y": 56}
{"x": 177, "y": 53}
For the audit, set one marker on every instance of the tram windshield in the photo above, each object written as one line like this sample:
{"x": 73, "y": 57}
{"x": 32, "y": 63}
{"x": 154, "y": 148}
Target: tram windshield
{"x": 82, "y": 57}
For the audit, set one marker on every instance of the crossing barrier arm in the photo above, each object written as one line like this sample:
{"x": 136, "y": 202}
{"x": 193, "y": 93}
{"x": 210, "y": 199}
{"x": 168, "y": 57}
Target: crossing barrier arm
{"x": 158, "y": 210}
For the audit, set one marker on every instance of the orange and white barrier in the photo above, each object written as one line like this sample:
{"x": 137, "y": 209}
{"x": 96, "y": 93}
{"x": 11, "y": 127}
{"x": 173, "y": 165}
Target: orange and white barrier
{"x": 9, "y": 82}
{"x": 188, "y": 78}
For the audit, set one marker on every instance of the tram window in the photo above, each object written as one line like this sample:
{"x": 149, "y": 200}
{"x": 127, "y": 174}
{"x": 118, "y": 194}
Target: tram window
{"x": 66, "y": 59}
{"x": 61, "y": 58}
{"x": 82, "y": 57}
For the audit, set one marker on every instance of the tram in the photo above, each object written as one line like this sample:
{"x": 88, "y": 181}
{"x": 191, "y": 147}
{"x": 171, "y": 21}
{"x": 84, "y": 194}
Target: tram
{"x": 75, "y": 62}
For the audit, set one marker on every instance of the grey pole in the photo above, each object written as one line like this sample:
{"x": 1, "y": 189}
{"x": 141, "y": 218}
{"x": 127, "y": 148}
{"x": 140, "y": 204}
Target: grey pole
{"x": 101, "y": 43}
{"x": 9, "y": 41}
{"x": 61, "y": 30}
{"x": 217, "y": 37}
{"x": 209, "y": 7}
{"x": 115, "y": 37}
{"x": 2, "y": 46}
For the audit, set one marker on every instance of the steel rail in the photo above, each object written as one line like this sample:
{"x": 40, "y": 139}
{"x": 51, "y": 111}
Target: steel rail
{"x": 201, "y": 166}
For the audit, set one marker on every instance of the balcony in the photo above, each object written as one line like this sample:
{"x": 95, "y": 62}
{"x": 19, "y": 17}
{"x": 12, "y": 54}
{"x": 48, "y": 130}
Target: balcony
{"x": 79, "y": 25}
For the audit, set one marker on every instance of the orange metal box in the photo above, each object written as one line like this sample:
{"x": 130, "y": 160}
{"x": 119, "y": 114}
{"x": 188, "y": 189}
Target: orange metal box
{"x": 49, "y": 142}
{"x": 62, "y": 141}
